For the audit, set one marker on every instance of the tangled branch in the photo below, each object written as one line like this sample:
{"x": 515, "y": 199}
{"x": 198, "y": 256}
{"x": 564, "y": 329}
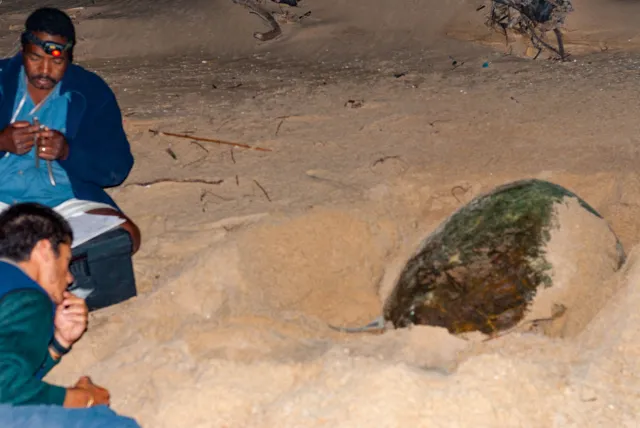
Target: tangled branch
{"x": 532, "y": 19}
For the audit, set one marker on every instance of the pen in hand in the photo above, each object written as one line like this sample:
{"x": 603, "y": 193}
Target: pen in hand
{"x": 36, "y": 122}
{"x": 49, "y": 168}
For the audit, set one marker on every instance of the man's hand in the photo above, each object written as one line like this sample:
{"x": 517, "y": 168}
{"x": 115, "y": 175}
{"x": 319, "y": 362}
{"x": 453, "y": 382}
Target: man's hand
{"x": 17, "y": 138}
{"x": 99, "y": 394}
{"x": 52, "y": 145}
{"x": 71, "y": 319}
{"x": 86, "y": 394}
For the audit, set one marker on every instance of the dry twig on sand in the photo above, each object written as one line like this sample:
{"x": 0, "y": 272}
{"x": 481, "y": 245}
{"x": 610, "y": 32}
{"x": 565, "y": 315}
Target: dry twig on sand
{"x": 208, "y": 140}
{"x": 171, "y": 153}
{"x": 383, "y": 159}
{"x": 263, "y": 191}
{"x": 199, "y": 145}
{"x": 175, "y": 180}
{"x": 282, "y": 119}
{"x": 464, "y": 189}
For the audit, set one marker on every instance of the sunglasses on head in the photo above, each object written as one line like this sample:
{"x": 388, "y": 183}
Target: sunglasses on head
{"x": 50, "y": 48}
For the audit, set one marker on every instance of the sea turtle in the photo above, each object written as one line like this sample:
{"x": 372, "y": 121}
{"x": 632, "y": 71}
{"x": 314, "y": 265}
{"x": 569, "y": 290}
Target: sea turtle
{"x": 482, "y": 267}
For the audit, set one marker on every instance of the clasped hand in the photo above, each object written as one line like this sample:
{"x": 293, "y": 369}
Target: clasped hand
{"x": 18, "y": 138}
{"x": 70, "y": 321}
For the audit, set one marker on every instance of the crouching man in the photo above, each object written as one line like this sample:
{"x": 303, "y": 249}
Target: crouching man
{"x": 39, "y": 319}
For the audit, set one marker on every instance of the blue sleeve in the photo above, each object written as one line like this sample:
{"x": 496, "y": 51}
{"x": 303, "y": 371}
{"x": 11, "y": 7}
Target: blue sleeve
{"x": 57, "y": 417}
{"x": 100, "y": 152}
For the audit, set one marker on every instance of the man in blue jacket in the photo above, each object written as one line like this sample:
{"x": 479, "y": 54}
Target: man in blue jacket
{"x": 62, "y": 140}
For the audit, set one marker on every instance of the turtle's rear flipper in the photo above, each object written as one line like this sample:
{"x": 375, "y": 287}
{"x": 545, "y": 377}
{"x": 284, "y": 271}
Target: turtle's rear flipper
{"x": 375, "y": 325}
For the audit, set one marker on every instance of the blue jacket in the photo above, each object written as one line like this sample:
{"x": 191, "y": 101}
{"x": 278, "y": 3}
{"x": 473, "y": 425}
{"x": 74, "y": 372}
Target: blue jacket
{"x": 99, "y": 152}
{"x": 12, "y": 278}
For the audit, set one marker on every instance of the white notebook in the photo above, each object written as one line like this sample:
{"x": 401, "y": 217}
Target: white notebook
{"x": 88, "y": 226}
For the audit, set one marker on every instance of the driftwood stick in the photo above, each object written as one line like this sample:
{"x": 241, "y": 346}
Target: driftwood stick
{"x": 560, "y": 43}
{"x": 255, "y": 8}
{"x": 169, "y": 180}
{"x": 200, "y": 145}
{"x": 208, "y": 140}
{"x": 535, "y": 38}
{"x": 172, "y": 153}
{"x": 282, "y": 119}
{"x": 204, "y": 194}
{"x": 263, "y": 191}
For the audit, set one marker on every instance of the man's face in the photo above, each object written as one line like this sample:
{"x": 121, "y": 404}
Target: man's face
{"x": 54, "y": 274}
{"x": 44, "y": 70}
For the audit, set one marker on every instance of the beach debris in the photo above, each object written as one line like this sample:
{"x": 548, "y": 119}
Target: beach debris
{"x": 455, "y": 63}
{"x": 481, "y": 269}
{"x": 172, "y": 153}
{"x": 175, "y": 181}
{"x": 532, "y": 19}
{"x": 383, "y": 159}
{"x": 376, "y": 325}
{"x": 256, "y": 7}
{"x": 282, "y": 119}
{"x": 263, "y": 190}
{"x": 292, "y": 3}
{"x": 304, "y": 15}
{"x": 208, "y": 140}
{"x": 195, "y": 143}
{"x": 204, "y": 202}
{"x": 354, "y": 103}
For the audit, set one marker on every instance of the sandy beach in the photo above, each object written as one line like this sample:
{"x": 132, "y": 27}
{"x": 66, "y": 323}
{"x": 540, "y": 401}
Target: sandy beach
{"x": 375, "y": 137}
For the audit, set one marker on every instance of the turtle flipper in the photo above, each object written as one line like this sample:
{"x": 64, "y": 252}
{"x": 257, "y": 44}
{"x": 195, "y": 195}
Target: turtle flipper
{"x": 375, "y": 325}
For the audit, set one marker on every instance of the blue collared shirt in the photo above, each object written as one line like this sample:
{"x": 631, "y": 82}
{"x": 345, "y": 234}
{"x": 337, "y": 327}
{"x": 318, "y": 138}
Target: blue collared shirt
{"x": 20, "y": 180}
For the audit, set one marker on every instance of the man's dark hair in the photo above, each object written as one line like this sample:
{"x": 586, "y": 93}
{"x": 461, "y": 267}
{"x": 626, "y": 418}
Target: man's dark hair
{"x": 23, "y": 225}
{"x": 52, "y": 21}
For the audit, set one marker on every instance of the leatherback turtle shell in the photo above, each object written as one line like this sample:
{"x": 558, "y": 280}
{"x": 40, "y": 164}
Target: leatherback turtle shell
{"x": 482, "y": 267}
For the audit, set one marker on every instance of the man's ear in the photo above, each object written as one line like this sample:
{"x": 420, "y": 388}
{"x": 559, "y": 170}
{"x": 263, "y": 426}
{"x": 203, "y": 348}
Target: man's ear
{"x": 42, "y": 251}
